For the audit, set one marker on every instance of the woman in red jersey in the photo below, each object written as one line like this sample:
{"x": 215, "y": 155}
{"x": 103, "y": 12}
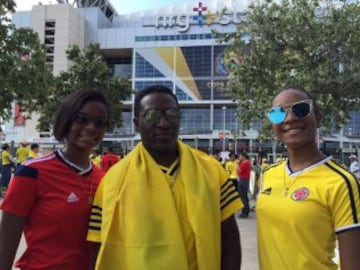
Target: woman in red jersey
{"x": 49, "y": 198}
{"x": 308, "y": 202}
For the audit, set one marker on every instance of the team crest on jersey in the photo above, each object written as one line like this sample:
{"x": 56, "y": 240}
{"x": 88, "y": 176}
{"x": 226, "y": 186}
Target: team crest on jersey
{"x": 300, "y": 194}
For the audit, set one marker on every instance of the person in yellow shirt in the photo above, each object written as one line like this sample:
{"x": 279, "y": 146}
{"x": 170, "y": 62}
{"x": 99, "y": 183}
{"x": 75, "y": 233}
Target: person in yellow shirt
{"x": 165, "y": 205}
{"x": 6, "y": 164}
{"x": 264, "y": 163}
{"x": 230, "y": 167}
{"x": 96, "y": 157}
{"x": 307, "y": 203}
{"x": 216, "y": 157}
{"x": 34, "y": 151}
{"x": 22, "y": 153}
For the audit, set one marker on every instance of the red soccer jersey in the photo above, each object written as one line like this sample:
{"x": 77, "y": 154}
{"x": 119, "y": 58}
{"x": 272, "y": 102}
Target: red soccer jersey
{"x": 54, "y": 196}
{"x": 108, "y": 160}
{"x": 245, "y": 167}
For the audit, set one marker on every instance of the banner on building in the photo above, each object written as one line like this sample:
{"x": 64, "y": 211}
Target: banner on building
{"x": 19, "y": 119}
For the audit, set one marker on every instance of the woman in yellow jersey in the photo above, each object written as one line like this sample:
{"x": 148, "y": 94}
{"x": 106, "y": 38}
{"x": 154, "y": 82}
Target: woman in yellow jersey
{"x": 308, "y": 202}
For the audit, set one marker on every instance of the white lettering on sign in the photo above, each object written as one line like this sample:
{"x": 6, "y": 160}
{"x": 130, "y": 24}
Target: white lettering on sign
{"x": 202, "y": 16}
{"x": 184, "y": 22}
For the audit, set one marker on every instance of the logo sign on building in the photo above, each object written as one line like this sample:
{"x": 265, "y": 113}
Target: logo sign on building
{"x": 223, "y": 135}
{"x": 201, "y": 16}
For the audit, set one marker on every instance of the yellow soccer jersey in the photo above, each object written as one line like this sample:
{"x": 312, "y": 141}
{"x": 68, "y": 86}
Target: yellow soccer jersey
{"x": 97, "y": 160}
{"x": 22, "y": 154}
{"x": 299, "y": 214}
{"x": 230, "y": 167}
{"x": 228, "y": 204}
{"x": 32, "y": 155}
{"x": 6, "y": 157}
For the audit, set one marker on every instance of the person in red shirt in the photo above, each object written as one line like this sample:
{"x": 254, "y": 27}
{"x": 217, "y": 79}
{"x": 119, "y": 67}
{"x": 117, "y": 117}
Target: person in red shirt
{"x": 243, "y": 171}
{"x": 109, "y": 159}
{"x": 49, "y": 198}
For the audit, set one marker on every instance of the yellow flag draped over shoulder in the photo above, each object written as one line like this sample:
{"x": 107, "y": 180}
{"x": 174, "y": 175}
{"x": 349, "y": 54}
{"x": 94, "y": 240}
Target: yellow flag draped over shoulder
{"x": 140, "y": 225}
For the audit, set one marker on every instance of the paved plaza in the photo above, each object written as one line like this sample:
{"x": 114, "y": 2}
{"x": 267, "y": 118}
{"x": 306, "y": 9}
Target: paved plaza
{"x": 248, "y": 241}
{"x": 247, "y": 229}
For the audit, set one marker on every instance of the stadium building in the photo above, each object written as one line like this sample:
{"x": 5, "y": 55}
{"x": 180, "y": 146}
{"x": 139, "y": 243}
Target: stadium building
{"x": 172, "y": 46}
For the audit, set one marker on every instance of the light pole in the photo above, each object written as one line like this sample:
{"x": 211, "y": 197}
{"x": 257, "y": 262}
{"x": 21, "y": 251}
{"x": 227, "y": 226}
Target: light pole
{"x": 1, "y": 136}
{"x": 223, "y": 143}
{"x": 236, "y": 134}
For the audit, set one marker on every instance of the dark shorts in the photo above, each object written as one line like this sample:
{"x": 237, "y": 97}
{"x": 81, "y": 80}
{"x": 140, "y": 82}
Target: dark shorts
{"x": 5, "y": 175}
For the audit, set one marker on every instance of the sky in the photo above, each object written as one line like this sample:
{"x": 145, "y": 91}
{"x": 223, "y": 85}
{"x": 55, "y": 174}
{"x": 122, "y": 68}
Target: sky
{"x": 121, "y": 6}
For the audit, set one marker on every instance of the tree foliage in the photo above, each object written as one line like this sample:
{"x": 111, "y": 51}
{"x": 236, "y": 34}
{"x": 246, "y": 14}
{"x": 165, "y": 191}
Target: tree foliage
{"x": 309, "y": 43}
{"x": 24, "y": 75}
{"x": 88, "y": 71}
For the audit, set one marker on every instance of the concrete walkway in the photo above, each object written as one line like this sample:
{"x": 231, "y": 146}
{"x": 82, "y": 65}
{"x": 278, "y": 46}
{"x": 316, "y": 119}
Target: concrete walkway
{"x": 247, "y": 229}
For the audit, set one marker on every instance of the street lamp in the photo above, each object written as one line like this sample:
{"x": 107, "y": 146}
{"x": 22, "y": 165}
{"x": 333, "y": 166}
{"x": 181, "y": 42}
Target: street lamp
{"x": 223, "y": 143}
{"x": 236, "y": 133}
{"x": 1, "y": 136}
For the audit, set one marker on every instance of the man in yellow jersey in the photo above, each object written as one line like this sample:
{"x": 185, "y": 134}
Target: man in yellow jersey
{"x": 230, "y": 167}
{"x": 34, "y": 151}
{"x": 165, "y": 205}
{"x": 22, "y": 153}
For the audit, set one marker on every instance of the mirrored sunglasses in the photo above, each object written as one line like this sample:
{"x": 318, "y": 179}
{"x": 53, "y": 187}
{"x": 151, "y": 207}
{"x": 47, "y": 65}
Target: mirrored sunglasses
{"x": 153, "y": 116}
{"x": 83, "y": 120}
{"x": 301, "y": 109}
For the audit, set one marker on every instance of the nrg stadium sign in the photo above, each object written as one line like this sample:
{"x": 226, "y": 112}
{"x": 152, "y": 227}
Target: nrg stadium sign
{"x": 202, "y": 16}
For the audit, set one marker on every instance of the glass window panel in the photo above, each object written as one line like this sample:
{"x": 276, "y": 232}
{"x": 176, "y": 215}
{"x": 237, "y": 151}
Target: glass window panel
{"x": 199, "y": 144}
{"x": 173, "y": 37}
{"x": 196, "y": 60}
{"x": 182, "y": 95}
{"x": 195, "y": 121}
{"x": 144, "y": 69}
{"x": 125, "y": 129}
{"x": 193, "y": 89}
{"x": 120, "y": 67}
{"x": 231, "y": 122}
{"x": 352, "y": 128}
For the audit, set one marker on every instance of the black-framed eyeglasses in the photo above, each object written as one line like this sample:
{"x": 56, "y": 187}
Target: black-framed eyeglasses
{"x": 83, "y": 119}
{"x": 300, "y": 109}
{"x": 153, "y": 116}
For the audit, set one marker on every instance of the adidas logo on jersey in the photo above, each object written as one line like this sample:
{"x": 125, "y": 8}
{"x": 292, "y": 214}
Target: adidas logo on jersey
{"x": 72, "y": 198}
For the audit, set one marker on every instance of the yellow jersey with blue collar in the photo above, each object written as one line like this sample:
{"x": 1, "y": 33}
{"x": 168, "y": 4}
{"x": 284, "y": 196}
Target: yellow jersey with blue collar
{"x": 300, "y": 213}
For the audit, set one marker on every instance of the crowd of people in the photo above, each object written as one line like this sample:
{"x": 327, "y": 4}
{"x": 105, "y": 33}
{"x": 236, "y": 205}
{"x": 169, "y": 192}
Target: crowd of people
{"x": 24, "y": 153}
{"x": 105, "y": 161}
{"x": 166, "y": 205}
{"x": 9, "y": 163}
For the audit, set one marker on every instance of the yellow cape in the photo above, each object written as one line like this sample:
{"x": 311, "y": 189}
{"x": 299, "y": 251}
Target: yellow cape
{"x": 140, "y": 225}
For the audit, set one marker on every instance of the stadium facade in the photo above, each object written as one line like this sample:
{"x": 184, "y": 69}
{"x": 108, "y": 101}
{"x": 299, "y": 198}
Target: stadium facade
{"x": 172, "y": 46}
